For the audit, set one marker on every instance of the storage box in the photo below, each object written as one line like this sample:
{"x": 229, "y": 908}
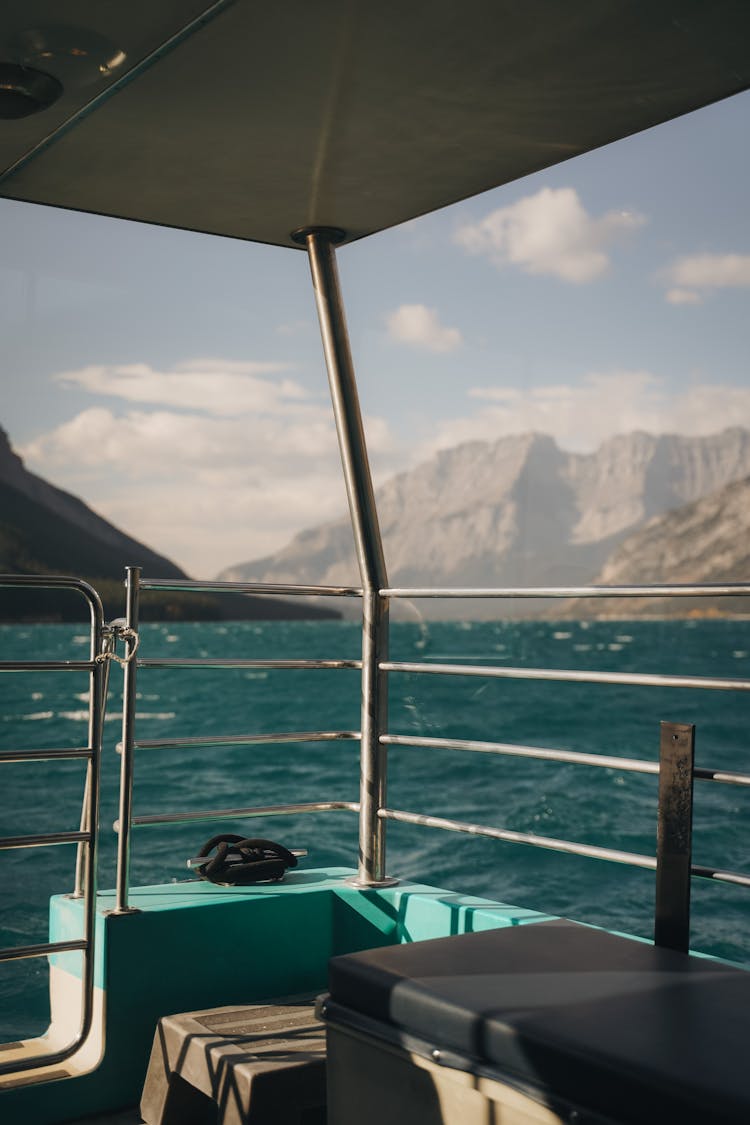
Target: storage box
{"x": 551, "y": 1022}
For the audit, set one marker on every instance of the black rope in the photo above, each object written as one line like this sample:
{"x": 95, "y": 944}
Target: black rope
{"x": 241, "y": 862}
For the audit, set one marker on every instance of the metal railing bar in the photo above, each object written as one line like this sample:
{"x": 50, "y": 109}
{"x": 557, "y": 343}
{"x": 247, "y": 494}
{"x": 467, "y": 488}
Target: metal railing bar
{"x": 47, "y": 666}
{"x": 46, "y": 755}
{"x": 633, "y": 679}
{"x": 246, "y": 739}
{"x": 723, "y": 776}
{"x": 127, "y": 760}
{"x": 43, "y": 840}
{"x": 239, "y": 662}
{"x": 635, "y": 765}
{"x": 548, "y": 842}
{"x": 197, "y": 587}
{"x": 87, "y": 837}
{"x": 736, "y": 877}
{"x": 23, "y": 952}
{"x": 237, "y": 814}
{"x": 52, "y": 582}
{"x": 681, "y": 590}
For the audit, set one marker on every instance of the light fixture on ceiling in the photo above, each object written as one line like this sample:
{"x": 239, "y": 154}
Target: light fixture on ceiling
{"x": 37, "y": 64}
{"x": 25, "y": 90}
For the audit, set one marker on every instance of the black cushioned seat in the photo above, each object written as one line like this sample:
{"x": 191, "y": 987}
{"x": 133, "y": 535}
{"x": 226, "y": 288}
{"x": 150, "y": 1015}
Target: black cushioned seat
{"x": 633, "y": 1032}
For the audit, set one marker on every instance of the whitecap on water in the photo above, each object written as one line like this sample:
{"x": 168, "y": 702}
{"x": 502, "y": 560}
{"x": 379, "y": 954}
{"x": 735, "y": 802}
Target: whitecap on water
{"x": 562, "y": 636}
{"x": 581, "y": 648}
{"x": 81, "y": 640}
{"x": 37, "y": 695}
{"x": 171, "y": 638}
{"x": 38, "y": 715}
{"x": 156, "y": 715}
{"x": 624, "y": 637}
{"x": 256, "y": 675}
{"x": 739, "y": 654}
{"x": 615, "y": 648}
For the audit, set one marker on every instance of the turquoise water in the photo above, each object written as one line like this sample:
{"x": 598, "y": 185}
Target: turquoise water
{"x": 598, "y": 806}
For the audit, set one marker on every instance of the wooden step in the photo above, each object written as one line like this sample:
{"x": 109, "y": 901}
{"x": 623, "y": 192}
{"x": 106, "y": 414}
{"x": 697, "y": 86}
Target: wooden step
{"x": 259, "y": 1064}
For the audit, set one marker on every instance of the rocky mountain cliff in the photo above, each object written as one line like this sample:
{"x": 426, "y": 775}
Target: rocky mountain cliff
{"x": 706, "y": 541}
{"x": 516, "y": 511}
{"x": 44, "y": 530}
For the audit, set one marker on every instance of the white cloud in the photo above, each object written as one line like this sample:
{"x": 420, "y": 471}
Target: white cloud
{"x": 696, "y": 274}
{"x": 548, "y": 233}
{"x": 420, "y": 326}
{"x": 217, "y": 386}
{"x": 683, "y": 297}
{"x": 580, "y": 416}
{"x": 211, "y": 488}
{"x": 711, "y": 271}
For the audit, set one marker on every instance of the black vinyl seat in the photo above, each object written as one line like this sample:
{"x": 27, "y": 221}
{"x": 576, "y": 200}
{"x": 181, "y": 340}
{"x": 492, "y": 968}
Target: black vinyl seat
{"x": 632, "y": 1032}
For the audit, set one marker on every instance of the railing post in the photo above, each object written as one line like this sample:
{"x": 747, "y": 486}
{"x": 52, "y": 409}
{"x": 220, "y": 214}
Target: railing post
{"x": 674, "y": 836}
{"x": 102, "y": 643}
{"x": 373, "y": 759}
{"x": 132, "y": 602}
{"x": 320, "y": 244}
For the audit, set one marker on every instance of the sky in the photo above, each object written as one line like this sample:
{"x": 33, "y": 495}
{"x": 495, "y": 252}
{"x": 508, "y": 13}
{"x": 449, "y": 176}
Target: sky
{"x": 175, "y": 381}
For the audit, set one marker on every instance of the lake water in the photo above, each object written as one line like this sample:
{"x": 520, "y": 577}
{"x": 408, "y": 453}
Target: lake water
{"x": 598, "y": 806}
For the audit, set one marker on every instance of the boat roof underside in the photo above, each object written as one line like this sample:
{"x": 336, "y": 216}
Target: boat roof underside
{"x": 252, "y": 119}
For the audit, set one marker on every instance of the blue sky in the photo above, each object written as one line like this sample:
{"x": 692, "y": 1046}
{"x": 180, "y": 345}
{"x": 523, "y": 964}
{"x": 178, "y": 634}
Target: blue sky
{"x": 176, "y": 383}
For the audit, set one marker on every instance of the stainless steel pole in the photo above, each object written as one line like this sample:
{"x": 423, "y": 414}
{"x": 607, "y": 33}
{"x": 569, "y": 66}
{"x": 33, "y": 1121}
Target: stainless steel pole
{"x": 98, "y": 684}
{"x": 368, "y": 543}
{"x": 132, "y": 587}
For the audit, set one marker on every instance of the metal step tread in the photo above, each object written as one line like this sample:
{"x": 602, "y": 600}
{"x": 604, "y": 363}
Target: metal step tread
{"x": 254, "y": 1062}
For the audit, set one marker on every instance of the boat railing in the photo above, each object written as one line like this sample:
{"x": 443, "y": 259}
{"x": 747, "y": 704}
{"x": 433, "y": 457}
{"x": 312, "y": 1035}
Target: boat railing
{"x": 130, "y": 744}
{"x": 86, "y": 836}
{"x": 675, "y": 768}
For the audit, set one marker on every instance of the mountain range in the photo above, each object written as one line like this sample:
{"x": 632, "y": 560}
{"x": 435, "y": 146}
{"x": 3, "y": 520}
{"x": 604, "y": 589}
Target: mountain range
{"x": 517, "y": 511}
{"x": 521, "y": 511}
{"x": 44, "y": 530}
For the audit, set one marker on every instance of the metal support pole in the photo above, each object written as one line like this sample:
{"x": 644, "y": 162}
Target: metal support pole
{"x": 320, "y": 244}
{"x": 132, "y": 588}
{"x": 103, "y": 642}
{"x": 674, "y": 836}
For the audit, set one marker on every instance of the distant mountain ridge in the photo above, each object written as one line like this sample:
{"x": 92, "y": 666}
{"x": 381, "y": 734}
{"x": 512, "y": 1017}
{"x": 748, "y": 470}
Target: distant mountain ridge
{"x": 707, "y": 541}
{"x": 45, "y": 530}
{"x": 517, "y": 511}
{"x": 29, "y": 502}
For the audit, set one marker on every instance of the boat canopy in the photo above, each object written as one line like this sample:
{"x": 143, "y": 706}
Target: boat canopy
{"x": 253, "y": 119}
